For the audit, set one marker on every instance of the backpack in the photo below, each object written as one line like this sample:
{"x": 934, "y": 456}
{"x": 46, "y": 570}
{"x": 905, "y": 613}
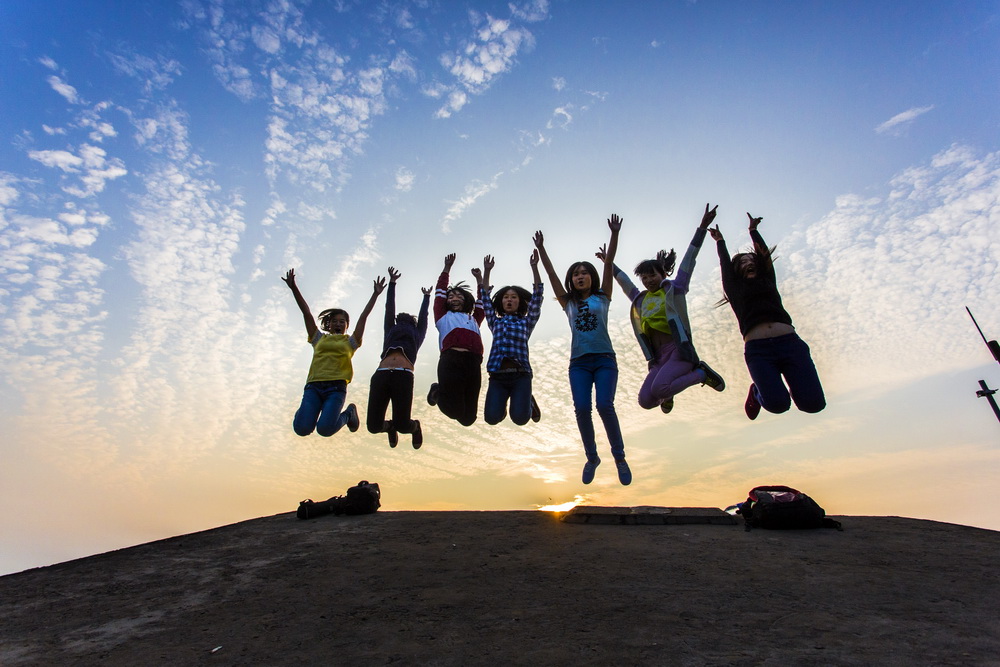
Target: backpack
{"x": 783, "y": 508}
{"x": 365, "y": 498}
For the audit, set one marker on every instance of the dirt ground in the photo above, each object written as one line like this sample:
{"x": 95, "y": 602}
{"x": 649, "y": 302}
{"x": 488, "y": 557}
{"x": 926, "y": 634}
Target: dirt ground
{"x": 461, "y": 588}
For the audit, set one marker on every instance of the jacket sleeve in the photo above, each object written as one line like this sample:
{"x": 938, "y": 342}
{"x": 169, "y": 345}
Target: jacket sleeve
{"x": 683, "y": 279}
{"x": 390, "y": 307}
{"x": 631, "y": 291}
{"x": 440, "y": 296}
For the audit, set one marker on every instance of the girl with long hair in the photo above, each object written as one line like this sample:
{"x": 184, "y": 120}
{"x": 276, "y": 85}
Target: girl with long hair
{"x": 586, "y": 297}
{"x": 774, "y": 353}
{"x": 511, "y": 315}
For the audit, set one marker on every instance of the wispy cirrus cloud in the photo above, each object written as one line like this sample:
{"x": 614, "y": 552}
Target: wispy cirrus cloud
{"x": 901, "y": 120}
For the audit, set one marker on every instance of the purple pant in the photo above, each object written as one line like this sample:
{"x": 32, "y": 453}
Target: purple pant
{"x": 668, "y": 375}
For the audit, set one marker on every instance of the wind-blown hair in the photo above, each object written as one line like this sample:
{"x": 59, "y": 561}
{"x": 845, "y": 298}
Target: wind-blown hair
{"x": 328, "y": 314}
{"x": 468, "y": 301}
{"x": 763, "y": 259}
{"x": 595, "y": 280}
{"x": 666, "y": 267}
{"x": 523, "y": 298}
{"x": 406, "y": 318}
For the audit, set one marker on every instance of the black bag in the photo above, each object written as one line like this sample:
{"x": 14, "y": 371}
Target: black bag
{"x": 783, "y": 508}
{"x": 364, "y": 498}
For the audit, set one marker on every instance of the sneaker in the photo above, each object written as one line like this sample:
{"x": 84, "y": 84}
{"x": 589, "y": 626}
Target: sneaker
{"x": 353, "y": 422}
{"x": 624, "y": 474}
{"x": 536, "y": 412}
{"x": 712, "y": 379}
{"x": 393, "y": 436}
{"x": 590, "y": 469}
{"x": 752, "y": 406}
{"x": 418, "y": 435}
{"x": 432, "y": 395}
{"x": 667, "y": 405}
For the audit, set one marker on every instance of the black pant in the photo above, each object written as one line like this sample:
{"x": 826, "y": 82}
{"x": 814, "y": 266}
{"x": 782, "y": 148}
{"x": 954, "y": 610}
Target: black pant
{"x": 459, "y": 382}
{"x": 390, "y": 385}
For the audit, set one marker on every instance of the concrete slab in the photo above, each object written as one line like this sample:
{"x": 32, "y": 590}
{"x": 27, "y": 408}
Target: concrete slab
{"x": 649, "y": 515}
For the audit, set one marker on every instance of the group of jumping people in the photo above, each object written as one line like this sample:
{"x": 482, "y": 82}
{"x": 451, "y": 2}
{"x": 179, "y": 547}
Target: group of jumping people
{"x": 779, "y": 362}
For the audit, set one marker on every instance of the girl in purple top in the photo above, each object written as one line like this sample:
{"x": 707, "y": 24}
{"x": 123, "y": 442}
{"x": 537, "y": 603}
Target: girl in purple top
{"x": 773, "y": 351}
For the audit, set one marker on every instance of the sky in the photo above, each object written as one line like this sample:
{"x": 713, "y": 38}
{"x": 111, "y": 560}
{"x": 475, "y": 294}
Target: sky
{"x": 162, "y": 164}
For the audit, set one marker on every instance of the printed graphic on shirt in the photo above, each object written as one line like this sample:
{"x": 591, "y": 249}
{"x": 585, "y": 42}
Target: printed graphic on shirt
{"x": 585, "y": 320}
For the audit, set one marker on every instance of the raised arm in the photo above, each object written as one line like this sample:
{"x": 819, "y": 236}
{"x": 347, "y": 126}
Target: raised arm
{"x": 557, "y": 288}
{"x": 441, "y": 289}
{"x": 359, "y": 329}
{"x": 422, "y": 317}
{"x": 631, "y": 291}
{"x": 761, "y": 247}
{"x": 536, "y": 279}
{"x": 390, "y": 300}
{"x": 607, "y": 282}
{"x": 684, "y": 271}
{"x": 307, "y": 315}
{"x": 725, "y": 262}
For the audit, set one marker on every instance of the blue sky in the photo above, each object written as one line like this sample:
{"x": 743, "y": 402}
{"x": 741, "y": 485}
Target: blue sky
{"x": 163, "y": 164}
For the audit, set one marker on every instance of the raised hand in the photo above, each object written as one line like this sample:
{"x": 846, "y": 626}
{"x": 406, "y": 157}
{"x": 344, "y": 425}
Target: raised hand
{"x": 709, "y": 216}
{"x": 488, "y": 263}
{"x": 393, "y": 274}
{"x": 753, "y": 221}
{"x": 716, "y": 234}
{"x": 290, "y": 278}
{"x": 427, "y": 290}
{"x": 448, "y": 261}
{"x": 533, "y": 260}
{"x": 477, "y": 273}
{"x": 602, "y": 253}
{"x": 615, "y": 223}
{"x": 378, "y": 285}
{"x": 539, "y": 239}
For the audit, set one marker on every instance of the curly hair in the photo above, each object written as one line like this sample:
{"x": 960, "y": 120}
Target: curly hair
{"x": 328, "y": 314}
{"x": 468, "y": 301}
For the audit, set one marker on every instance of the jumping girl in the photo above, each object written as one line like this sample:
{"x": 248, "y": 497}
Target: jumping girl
{"x": 331, "y": 369}
{"x": 511, "y": 316}
{"x": 457, "y": 316}
{"x": 772, "y": 348}
{"x": 660, "y": 322}
{"x": 393, "y": 379}
{"x": 586, "y": 297}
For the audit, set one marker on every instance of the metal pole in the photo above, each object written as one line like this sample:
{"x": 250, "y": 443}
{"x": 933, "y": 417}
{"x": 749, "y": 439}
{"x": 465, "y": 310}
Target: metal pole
{"x": 988, "y": 393}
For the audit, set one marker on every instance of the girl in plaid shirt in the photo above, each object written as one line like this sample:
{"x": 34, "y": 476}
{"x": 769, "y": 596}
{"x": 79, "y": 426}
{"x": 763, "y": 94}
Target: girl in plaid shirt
{"x": 511, "y": 315}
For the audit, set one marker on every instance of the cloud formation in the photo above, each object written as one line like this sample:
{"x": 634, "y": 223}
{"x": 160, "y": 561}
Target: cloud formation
{"x": 901, "y": 120}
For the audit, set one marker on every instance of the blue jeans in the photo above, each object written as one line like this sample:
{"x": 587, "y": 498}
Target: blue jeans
{"x": 599, "y": 371}
{"x": 320, "y": 408}
{"x": 513, "y": 387}
{"x": 770, "y": 359}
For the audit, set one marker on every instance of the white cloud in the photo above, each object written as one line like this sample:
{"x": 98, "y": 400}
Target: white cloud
{"x": 561, "y": 117}
{"x": 491, "y": 51}
{"x": 404, "y": 179}
{"x": 901, "y": 120}
{"x": 558, "y": 82}
{"x": 473, "y": 192}
{"x": 64, "y": 89}
{"x": 154, "y": 73}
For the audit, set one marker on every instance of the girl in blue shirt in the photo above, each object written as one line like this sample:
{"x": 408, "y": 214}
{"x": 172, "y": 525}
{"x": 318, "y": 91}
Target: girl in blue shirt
{"x": 586, "y": 297}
